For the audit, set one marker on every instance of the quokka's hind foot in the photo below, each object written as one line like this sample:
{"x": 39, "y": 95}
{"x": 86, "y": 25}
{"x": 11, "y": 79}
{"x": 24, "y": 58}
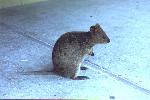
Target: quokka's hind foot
{"x": 81, "y": 78}
{"x": 83, "y": 68}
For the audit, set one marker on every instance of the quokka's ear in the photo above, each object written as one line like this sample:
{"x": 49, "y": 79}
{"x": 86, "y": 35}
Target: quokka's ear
{"x": 95, "y": 28}
{"x": 92, "y": 28}
{"x": 97, "y": 25}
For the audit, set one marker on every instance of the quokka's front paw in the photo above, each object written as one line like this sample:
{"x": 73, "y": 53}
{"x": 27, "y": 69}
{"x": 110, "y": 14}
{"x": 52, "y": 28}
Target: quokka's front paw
{"x": 92, "y": 54}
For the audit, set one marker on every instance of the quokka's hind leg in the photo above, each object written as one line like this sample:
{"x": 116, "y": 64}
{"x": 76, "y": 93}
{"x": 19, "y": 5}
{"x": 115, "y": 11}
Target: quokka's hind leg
{"x": 76, "y": 75}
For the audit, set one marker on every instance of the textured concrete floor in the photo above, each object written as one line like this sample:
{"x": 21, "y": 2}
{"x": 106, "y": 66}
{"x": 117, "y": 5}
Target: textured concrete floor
{"x": 119, "y": 70}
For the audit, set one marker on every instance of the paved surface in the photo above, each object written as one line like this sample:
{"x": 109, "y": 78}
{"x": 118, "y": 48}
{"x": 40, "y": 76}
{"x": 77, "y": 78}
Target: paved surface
{"x": 118, "y": 71}
{"x": 12, "y": 3}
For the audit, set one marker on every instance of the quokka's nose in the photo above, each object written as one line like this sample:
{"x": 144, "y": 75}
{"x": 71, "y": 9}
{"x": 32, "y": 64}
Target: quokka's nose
{"x": 108, "y": 40}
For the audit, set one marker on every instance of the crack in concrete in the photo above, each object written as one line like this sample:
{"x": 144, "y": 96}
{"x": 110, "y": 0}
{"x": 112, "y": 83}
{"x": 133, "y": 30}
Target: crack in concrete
{"x": 13, "y": 29}
{"x": 124, "y": 80}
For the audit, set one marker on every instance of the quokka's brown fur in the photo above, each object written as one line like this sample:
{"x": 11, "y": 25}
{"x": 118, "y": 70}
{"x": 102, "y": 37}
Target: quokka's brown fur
{"x": 71, "y": 47}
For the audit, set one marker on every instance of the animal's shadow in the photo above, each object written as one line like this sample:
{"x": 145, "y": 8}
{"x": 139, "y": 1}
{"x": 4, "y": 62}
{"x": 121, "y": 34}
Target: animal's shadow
{"x": 44, "y": 70}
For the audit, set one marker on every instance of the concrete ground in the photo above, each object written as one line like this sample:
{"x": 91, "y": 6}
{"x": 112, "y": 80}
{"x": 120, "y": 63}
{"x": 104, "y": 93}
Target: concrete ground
{"x": 119, "y": 70}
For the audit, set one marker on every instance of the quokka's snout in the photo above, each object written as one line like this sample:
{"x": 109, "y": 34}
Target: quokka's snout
{"x": 108, "y": 40}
